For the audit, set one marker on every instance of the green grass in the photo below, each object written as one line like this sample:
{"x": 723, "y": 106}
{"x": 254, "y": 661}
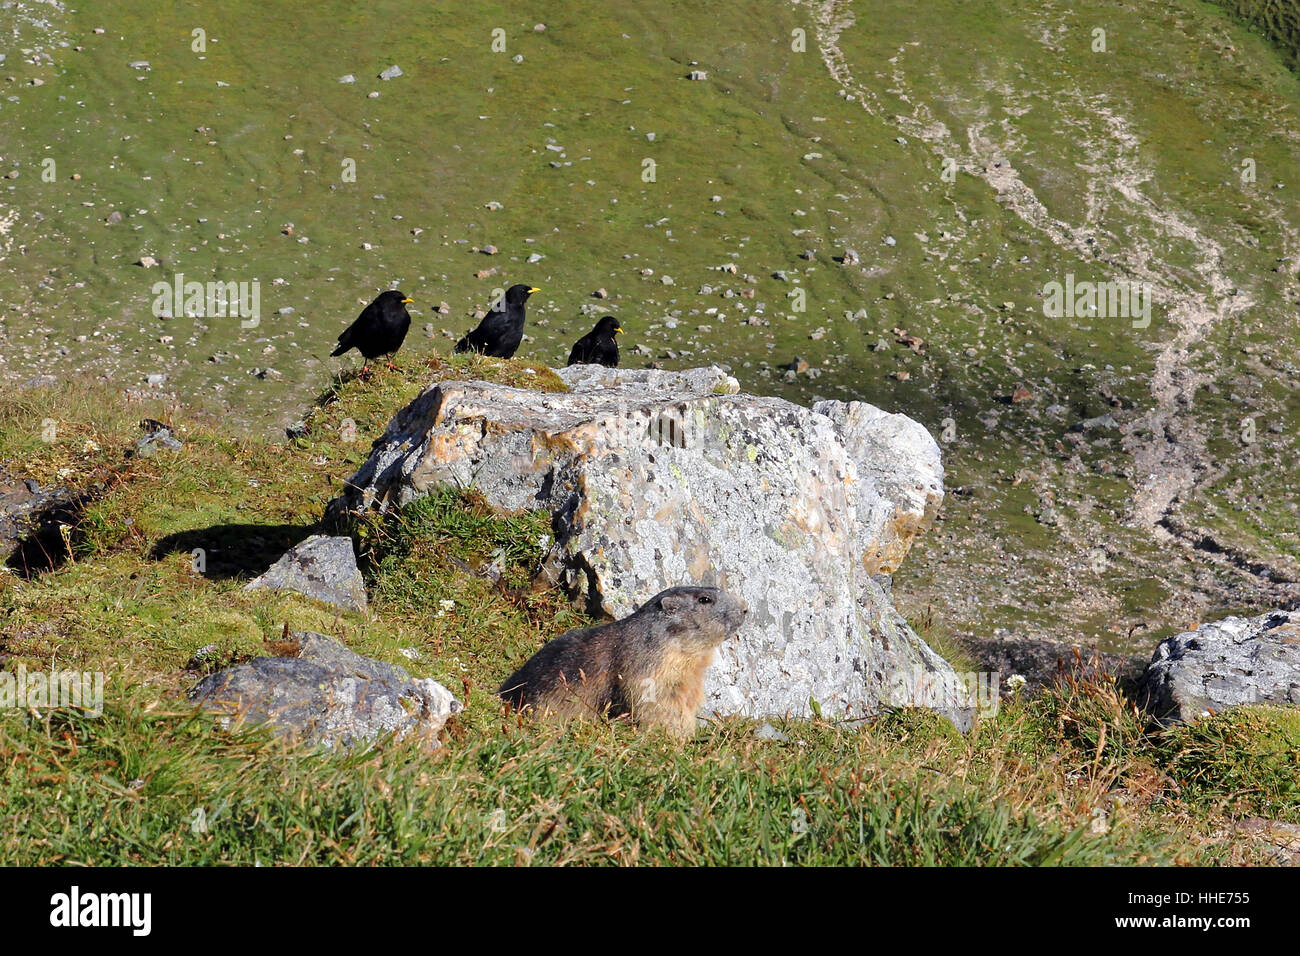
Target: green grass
{"x": 128, "y": 788}
{"x": 125, "y": 789}
{"x": 1276, "y": 19}
{"x": 1245, "y": 762}
{"x": 1073, "y": 776}
{"x": 206, "y": 177}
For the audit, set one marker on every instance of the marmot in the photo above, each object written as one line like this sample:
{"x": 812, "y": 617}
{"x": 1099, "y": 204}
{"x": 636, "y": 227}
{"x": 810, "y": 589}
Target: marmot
{"x": 649, "y": 666}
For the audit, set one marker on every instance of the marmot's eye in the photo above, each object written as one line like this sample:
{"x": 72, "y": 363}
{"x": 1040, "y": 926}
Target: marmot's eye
{"x": 705, "y": 599}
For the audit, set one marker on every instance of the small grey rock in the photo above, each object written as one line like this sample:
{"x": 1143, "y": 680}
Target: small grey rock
{"x": 321, "y": 567}
{"x": 327, "y": 695}
{"x": 146, "y": 446}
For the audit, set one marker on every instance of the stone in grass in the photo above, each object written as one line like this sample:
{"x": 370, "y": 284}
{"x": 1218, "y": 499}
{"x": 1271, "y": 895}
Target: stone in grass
{"x": 146, "y": 446}
{"x": 327, "y": 695}
{"x": 322, "y": 567}
{"x": 1229, "y": 663}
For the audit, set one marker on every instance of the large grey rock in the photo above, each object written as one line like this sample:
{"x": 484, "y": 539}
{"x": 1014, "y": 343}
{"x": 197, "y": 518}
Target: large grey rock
{"x": 1232, "y": 662}
{"x": 327, "y": 695}
{"x": 656, "y": 479}
{"x": 320, "y": 567}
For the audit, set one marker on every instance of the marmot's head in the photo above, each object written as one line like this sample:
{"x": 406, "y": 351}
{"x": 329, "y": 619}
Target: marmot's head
{"x": 706, "y": 616}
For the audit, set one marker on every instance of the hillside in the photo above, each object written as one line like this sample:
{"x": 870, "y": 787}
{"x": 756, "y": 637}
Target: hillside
{"x": 1127, "y": 165}
{"x": 1071, "y": 775}
{"x": 885, "y": 190}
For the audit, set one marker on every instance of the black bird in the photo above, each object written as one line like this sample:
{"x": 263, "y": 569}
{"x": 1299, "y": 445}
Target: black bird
{"x": 598, "y": 347}
{"x": 502, "y": 329}
{"x": 380, "y": 329}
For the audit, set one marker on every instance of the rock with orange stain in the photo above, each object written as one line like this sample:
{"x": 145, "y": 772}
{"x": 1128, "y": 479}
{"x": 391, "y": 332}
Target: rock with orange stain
{"x": 656, "y": 479}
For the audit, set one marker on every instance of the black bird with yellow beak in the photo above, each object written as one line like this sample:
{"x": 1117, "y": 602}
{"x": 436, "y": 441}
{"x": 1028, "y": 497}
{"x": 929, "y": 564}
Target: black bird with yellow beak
{"x": 598, "y": 347}
{"x": 380, "y": 329}
{"x": 502, "y": 329}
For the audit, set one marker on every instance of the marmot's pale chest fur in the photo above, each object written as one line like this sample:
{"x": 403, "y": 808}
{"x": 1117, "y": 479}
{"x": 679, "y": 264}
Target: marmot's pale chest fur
{"x": 649, "y": 666}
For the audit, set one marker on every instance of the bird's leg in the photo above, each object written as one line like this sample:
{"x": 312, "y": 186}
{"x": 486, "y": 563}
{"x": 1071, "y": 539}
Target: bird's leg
{"x": 391, "y": 366}
{"x": 365, "y": 371}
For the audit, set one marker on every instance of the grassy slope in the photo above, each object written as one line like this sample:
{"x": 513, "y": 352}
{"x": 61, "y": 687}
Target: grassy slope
{"x": 1018, "y": 545}
{"x": 206, "y": 176}
{"x": 1040, "y": 783}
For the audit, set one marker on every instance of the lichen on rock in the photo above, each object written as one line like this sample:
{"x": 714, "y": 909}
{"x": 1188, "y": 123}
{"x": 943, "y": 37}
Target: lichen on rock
{"x": 655, "y": 479}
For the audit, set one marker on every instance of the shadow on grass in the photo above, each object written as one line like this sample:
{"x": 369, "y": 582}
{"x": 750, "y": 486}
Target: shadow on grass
{"x": 234, "y": 550}
{"x": 38, "y": 528}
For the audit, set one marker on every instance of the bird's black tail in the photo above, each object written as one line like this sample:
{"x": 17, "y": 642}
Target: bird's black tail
{"x": 345, "y": 344}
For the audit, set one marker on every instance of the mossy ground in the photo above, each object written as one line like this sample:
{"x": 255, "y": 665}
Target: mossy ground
{"x": 1073, "y": 776}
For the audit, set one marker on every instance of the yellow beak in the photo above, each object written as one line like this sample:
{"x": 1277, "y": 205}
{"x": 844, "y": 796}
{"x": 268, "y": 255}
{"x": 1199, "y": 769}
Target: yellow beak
{"x": 406, "y": 300}
{"x": 616, "y": 331}
{"x": 532, "y": 290}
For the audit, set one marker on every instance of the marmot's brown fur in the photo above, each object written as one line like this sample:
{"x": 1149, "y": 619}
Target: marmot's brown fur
{"x": 649, "y": 666}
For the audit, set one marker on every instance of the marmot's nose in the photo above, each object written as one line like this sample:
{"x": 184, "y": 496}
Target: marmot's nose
{"x": 744, "y": 605}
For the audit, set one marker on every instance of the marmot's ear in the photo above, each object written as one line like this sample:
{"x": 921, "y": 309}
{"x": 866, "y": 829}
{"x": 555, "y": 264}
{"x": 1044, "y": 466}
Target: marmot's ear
{"x": 675, "y": 603}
